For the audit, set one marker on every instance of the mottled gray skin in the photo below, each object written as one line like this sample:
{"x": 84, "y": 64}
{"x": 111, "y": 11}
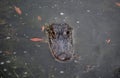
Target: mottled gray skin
{"x": 60, "y": 41}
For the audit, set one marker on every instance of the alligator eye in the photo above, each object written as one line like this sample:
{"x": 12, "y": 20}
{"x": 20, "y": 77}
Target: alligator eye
{"x": 68, "y": 32}
{"x": 53, "y": 34}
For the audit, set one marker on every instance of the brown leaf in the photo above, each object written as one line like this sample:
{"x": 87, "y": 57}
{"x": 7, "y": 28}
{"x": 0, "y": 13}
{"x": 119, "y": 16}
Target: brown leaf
{"x": 36, "y": 39}
{"x": 118, "y": 4}
{"x": 39, "y": 18}
{"x": 108, "y": 41}
{"x": 18, "y": 10}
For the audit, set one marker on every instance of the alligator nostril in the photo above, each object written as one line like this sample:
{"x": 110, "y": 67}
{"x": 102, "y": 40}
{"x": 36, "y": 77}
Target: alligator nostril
{"x": 64, "y": 57}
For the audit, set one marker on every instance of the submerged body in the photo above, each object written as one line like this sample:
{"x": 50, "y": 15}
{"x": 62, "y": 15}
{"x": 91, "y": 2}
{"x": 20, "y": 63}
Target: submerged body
{"x": 60, "y": 41}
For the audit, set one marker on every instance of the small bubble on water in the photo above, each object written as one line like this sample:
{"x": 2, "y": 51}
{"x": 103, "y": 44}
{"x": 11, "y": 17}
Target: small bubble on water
{"x": 77, "y": 21}
{"x": 39, "y": 7}
{"x": 14, "y": 52}
{"x": 25, "y": 51}
{"x": 15, "y": 15}
{"x": 75, "y": 61}
{"x": 25, "y": 72}
{"x": 14, "y": 67}
{"x": 66, "y": 17}
{"x": 52, "y": 76}
{"x": 88, "y": 10}
{"x": 26, "y": 14}
{"x": 25, "y": 63}
{"x": 8, "y": 61}
{"x": 1, "y": 63}
{"x": 56, "y": 18}
{"x": 21, "y": 18}
{"x": 37, "y": 45}
{"x": 52, "y": 7}
{"x": 55, "y": 5}
{"x": 9, "y": 73}
{"x": 64, "y": 20}
{"x": 61, "y": 72}
{"x": 61, "y": 13}
{"x": 4, "y": 69}
{"x": 0, "y": 51}
{"x": 7, "y": 37}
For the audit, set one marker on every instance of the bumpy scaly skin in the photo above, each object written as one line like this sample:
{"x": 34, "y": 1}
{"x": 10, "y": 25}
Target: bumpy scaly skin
{"x": 60, "y": 41}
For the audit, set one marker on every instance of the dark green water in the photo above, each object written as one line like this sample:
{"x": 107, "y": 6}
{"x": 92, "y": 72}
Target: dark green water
{"x": 96, "y": 38}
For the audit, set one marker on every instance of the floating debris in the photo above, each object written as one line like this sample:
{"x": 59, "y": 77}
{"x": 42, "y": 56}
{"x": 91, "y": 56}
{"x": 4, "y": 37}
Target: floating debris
{"x": 7, "y": 52}
{"x": 89, "y": 68}
{"x": 76, "y": 61}
{"x": 118, "y": 4}
{"x": 18, "y": 10}
{"x": 2, "y": 22}
{"x": 108, "y": 41}
{"x": 39, "y": 18}
{"x": 36, "y": 39}
{"x": 43, "y": 28}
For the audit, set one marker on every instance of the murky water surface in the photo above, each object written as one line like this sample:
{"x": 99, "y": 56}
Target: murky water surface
{"x": 24, "y": 53}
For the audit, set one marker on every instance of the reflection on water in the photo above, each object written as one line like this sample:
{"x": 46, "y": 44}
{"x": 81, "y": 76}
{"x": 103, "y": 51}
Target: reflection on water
{"x": 96, "y": 38}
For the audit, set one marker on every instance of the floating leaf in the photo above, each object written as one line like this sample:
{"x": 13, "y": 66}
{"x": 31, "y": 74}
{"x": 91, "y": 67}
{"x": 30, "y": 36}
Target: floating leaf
{"x": 18, "y": 10}
{"x": 39, "y": 18}
{"x": 118, "y": 4}
{"x": 36, "y": 39}
{"x": 108, "y": 41}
